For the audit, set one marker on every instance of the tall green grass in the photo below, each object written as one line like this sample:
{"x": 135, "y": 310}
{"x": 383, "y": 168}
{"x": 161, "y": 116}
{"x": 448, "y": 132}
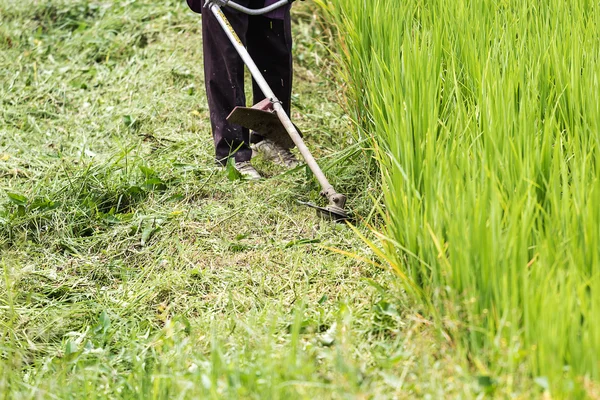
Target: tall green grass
{"x": 486, "y": 120}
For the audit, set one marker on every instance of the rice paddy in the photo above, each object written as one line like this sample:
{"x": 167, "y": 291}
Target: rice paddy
{"x": 485, "y": 121}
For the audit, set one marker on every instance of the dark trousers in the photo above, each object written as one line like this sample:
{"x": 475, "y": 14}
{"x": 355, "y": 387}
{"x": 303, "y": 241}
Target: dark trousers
{"x": 269, "y": 42}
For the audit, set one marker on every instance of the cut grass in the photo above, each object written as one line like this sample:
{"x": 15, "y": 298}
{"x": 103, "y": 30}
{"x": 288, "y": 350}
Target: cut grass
{"x": 132, "y": 267}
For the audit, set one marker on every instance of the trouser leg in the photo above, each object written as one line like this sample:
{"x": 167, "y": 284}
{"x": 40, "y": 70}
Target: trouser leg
{"x": 269, "y": 42}
{"x": 224, "y": 81}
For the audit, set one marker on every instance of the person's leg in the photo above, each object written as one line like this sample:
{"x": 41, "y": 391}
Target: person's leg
{"x": 224, "y": 81}
{"x": 269, "y": 43}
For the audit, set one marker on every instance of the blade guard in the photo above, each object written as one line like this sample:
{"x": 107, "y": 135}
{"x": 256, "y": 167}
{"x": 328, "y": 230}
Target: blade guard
{"x": 262, "y": 119}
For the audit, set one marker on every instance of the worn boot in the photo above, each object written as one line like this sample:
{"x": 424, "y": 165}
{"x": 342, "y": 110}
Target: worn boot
{"x": 273, "y": 152}
{"x": 247, "y": 171}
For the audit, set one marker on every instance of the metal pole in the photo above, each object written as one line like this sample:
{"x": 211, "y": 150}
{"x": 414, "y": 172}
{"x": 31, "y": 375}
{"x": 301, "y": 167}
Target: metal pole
{"x": 328, "y": 190}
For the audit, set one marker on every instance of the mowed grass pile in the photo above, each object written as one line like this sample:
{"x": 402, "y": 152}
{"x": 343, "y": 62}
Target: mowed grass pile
{"x": 130, "y": 266}
{"x": 485, "y": 117}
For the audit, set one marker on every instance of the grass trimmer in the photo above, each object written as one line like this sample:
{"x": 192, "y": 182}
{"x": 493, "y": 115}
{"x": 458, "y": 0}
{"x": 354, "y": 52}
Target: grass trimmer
{"x": 269, "y": 118}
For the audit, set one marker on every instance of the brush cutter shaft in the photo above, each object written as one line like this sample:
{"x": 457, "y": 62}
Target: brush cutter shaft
{"x": 328, "y": 190}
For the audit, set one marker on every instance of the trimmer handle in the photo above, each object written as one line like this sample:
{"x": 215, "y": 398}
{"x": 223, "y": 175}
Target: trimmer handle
{"x": 257, "y": 11}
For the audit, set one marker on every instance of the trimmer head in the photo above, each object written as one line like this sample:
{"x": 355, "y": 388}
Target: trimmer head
{"x": 331, "y": 212}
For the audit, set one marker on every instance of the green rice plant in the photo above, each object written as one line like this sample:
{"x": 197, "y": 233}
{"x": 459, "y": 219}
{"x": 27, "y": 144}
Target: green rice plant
{"x": 486, "y": 121}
